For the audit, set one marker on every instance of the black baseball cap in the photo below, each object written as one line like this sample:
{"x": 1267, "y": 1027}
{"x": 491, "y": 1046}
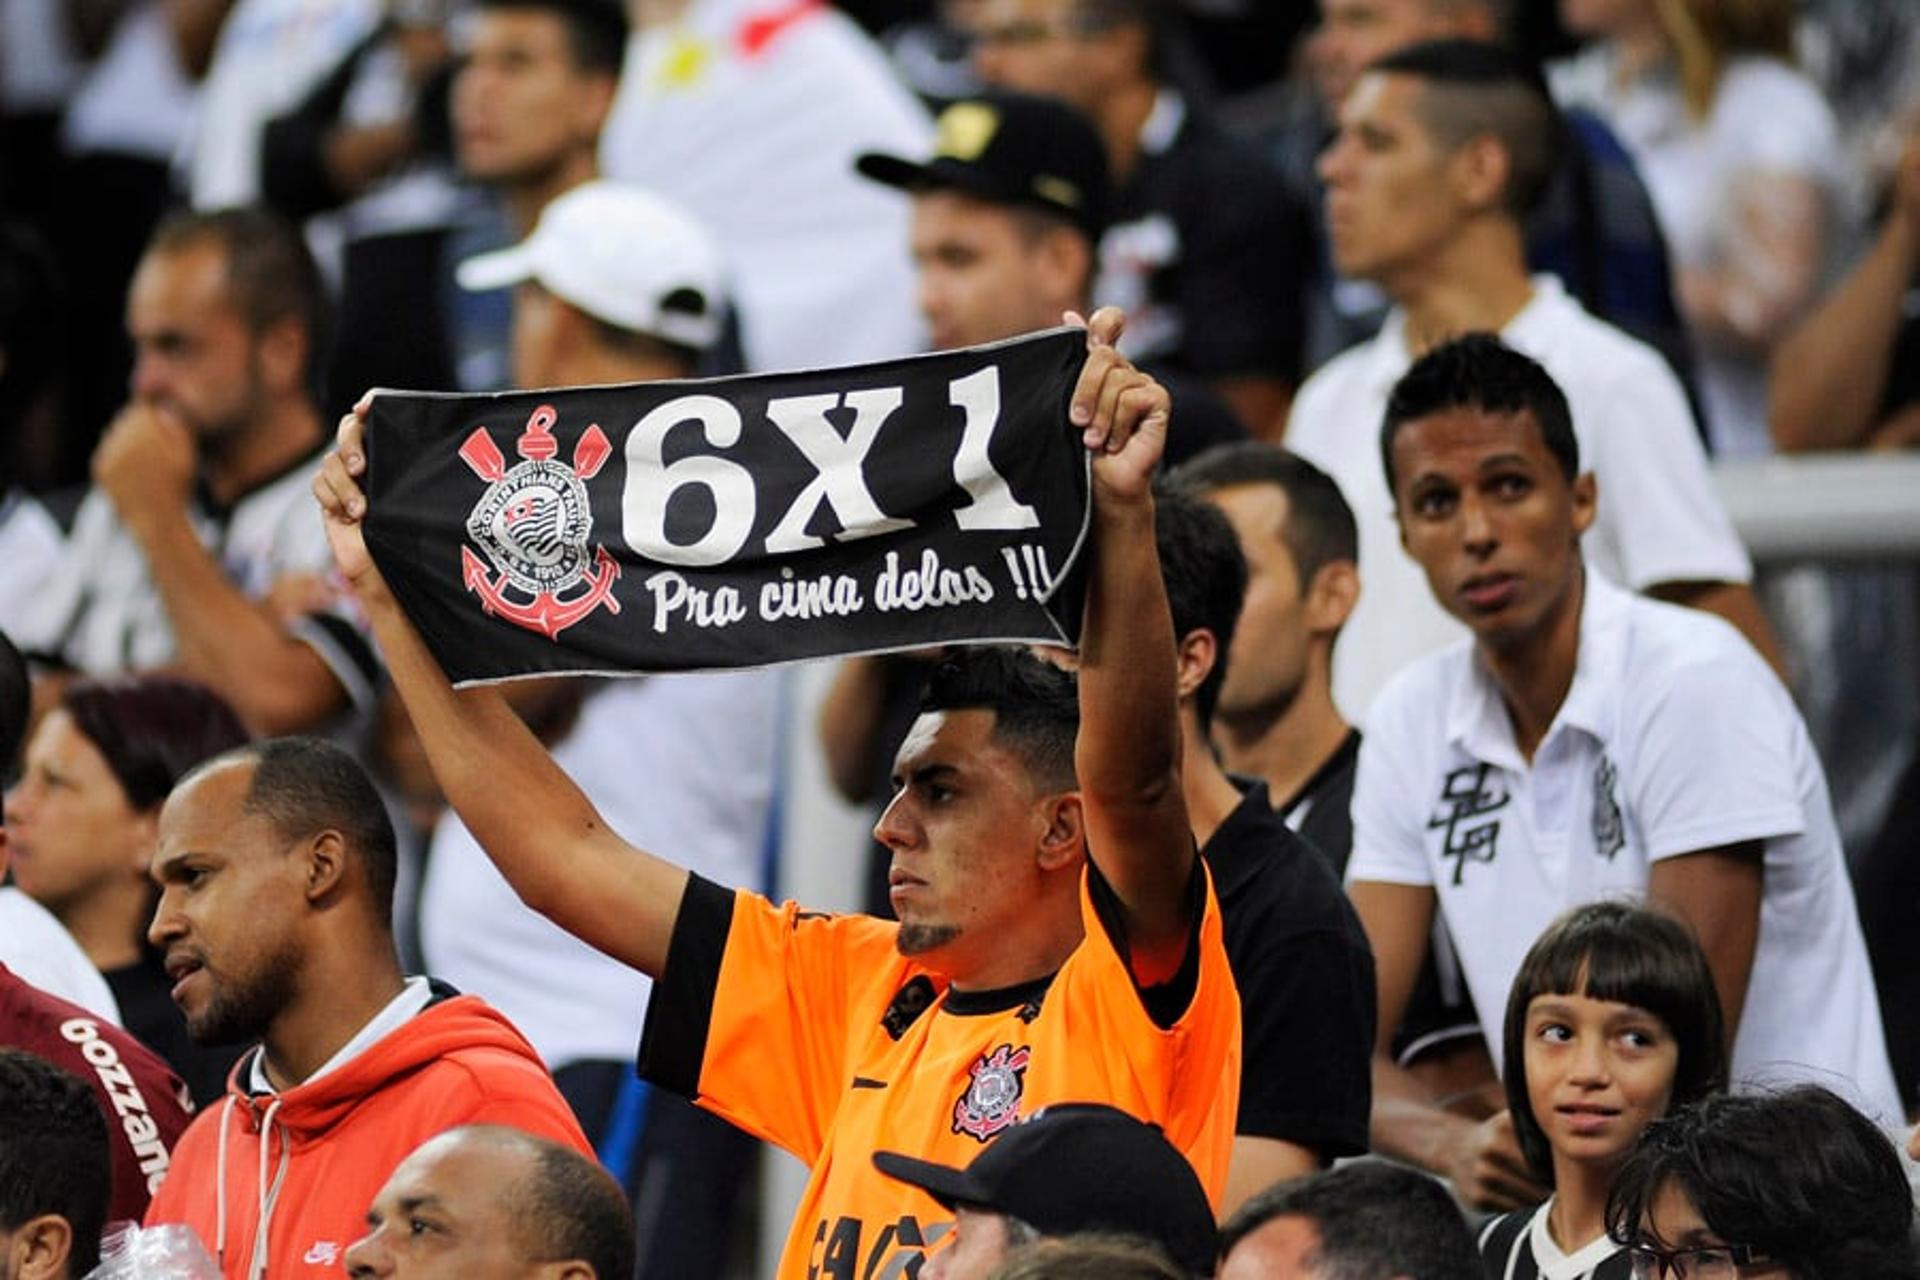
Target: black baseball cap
{"x": 1010, "y": 148}
{"x": 1080, "y": 1166}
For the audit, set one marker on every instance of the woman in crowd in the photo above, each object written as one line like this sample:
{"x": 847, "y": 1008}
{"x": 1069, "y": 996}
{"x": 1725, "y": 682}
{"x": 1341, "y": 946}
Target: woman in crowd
{"x": 1792, "y": 1186}
{"x": 81, "y": 823}
{"x": 1612, "y": 1021}
{"x": 1739, "y": 153}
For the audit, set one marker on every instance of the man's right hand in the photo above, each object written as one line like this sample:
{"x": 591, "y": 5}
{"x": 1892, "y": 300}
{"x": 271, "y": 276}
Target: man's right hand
{"x": 1489, "y": 1172}
{"x": 343, "y": 505}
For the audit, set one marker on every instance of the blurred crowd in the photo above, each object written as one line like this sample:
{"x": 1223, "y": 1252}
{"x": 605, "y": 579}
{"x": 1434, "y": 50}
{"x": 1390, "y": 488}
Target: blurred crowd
{"x": 1561, "y": 864}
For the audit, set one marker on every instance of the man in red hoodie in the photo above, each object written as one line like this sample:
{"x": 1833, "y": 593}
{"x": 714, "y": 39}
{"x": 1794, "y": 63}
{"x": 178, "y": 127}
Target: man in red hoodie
{"x": 276, "y": 869}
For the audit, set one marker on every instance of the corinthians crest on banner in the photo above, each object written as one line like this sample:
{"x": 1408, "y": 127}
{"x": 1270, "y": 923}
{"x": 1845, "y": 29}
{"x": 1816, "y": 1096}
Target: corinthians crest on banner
{"x": 737, "y": 522}
{"x": 532, "y": 527}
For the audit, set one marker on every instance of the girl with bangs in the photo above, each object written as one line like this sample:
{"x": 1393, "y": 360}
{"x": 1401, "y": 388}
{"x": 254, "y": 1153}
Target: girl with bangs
{"x": 1612, "y": 1022}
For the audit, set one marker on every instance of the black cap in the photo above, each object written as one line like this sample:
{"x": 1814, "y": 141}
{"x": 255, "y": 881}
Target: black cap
{"x": 1010, "y": 148}
{"x": 1080, "y": 1166}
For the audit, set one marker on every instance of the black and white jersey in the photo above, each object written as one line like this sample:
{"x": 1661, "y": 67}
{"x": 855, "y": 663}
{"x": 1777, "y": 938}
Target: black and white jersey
{"x": 1518, "y": 1246}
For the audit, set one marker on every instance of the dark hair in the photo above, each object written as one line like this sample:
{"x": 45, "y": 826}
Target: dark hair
{"x": 1798, "y": 1175}
{"x": 1630, "y": 955}
{"x": 1035, "y": 705}
{"x": 54, "y": 1157}
{"x": 1088, "y": 1257}
{"x": 1479, "y": 371}
{"x": 1205, "y": 576}
{"x": 270, "y": 272}
{"x": 308, "y": 785}
{"x": 1375, "y": 1220}
{"x": 571, "y": 1208}
{"x": 151, "y": 729}
{"x": 1475, "y": 88}
{"x": 32, "y": 304}
{"x": 1320, "y": 528}
{"x": 596, "y": 29}
{"x": 16, "y": 704}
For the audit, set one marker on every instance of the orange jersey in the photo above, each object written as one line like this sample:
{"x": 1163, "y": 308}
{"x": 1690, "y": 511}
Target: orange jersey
{"x": 813, "y": 1032}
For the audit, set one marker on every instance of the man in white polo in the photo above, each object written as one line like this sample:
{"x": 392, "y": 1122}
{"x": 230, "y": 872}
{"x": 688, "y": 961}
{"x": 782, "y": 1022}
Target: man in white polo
{"x": 1585, "y": 744}
{"x": 1442, "y": 149}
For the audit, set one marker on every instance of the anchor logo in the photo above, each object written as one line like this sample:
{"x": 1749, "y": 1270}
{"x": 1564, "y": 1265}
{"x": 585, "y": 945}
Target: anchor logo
{"x": 532, "y": 524}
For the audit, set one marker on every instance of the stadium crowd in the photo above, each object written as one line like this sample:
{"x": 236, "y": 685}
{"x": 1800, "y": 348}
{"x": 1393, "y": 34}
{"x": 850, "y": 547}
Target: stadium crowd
{"x": 1443, "y": 855}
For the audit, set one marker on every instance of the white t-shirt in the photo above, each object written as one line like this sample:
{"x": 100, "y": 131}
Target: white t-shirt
{"x": 1674, "y": 738}
{"x": 101, "y": 612}
{"x": 750, "y": 113}
{"x": 1767, "y": 121}
{"x": 43, "y": 954}
{"x": 1659, "y": 519}
{"x": 136, "y": 100}
{"x": 270, "y": 55}
{"x": 29, "y": 545}
{"x": 679, "y": 765}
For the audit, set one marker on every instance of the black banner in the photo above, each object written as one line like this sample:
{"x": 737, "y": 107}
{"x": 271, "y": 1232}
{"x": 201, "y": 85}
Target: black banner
{"x": 674, "y": 526}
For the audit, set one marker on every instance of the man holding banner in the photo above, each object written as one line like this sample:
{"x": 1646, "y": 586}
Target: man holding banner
{"x": 1059, "y": 941}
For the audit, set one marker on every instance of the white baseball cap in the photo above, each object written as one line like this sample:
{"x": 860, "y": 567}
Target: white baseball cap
{"x": 622, "y": 255}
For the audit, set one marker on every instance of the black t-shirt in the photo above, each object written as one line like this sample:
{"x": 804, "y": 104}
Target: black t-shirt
{"x": 1209, "y": 251}
{"x": 149, "y": 1014}
{"x": 1324, "y": 805}
{"x": 1305, "y": 974}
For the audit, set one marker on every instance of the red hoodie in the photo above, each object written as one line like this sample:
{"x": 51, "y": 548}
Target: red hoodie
{"x": 317, "y": 1154}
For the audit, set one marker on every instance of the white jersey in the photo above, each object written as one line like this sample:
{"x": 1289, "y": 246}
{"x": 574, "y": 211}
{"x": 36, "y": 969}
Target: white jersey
{"x": 101, "y": 613}
{"x": 1659, "y": 519}
{"x": 1674, "y": 738}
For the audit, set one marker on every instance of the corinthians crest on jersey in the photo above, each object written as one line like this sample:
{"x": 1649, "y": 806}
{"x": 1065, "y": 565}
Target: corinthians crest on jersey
{"x": 533, "y": 526}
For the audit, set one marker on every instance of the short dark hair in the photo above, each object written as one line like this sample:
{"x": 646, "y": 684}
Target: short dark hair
{"x": 1631, "y": 955}
{"x": 1798, "y": 1174}
{"x": 1320, "y": 528}
{"x": 596, "y": 29}
{"x": 270, "y": 272}
{"x": 16, "y": 704}
{"x": 1035, "y": 705}
{"x": 1089, "y": 1257}
{"x": 1475, "y": 87}
{"x": 1206, "y": 579}
{"x": 54, "y": 1157}
{"x": 307, "y": 785}
{"x": 1375, "y": 1221}
{"x": 572, "y": 1208}
{"x": 1479, "y": 371}
{"x": 152, "y": 729}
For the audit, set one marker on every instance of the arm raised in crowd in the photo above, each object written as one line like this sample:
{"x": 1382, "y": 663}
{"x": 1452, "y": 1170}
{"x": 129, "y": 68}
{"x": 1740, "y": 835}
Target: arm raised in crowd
{"x": 1127, "y": 756}
{"x": 543, "y": 833}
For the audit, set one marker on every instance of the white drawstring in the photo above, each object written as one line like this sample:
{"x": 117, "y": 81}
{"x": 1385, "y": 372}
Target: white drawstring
{"x": 220, "y": 1188}
{"x": 268, "y": 1195}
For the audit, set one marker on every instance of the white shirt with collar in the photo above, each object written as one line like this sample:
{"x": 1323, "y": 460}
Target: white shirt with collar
{"x": 415, "y": 995}
{"x": 1659, "y": 519}
{"x": 1674, "y": 738}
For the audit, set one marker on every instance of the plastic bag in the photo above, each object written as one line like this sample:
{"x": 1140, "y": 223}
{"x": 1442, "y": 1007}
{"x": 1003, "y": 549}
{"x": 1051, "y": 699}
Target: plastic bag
{"x": 168, "y": 1252}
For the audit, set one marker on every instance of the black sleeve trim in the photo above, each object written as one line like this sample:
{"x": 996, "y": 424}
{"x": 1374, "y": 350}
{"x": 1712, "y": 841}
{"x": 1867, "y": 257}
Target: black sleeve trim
{"x": 1167, "y": 1002}
{"x": 673, "y": 1043}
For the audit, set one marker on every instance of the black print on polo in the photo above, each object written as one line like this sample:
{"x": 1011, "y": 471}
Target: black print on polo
{"x": 1467, "y": 797}
{"x": 737, "y": 522}
{"x": 1609, "y": 830}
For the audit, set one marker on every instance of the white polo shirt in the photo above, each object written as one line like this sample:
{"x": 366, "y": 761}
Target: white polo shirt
{"x": 1659, "y": 519}
{"x": 1674, "y": 738}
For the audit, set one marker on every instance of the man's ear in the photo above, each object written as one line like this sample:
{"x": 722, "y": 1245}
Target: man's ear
{"x": 1064, "y": 841}
{"x": 1586, "y": 501}
{"x": 326, "y": 864}
{"x": 1482, "y": 169}
{"x": 1199, "y": 652}
{"x": 1331, "y": 596}
{"x": 283, "y": 347}
{"x": 564, "y": 1271}
{"x": 39, "y": 1250}
{"x": 1065, "y": 262}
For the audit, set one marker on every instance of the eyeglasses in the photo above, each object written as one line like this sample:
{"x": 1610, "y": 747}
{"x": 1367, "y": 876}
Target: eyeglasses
{"x": 1039, "y": 31}
{"x": 1713, "y": 1262}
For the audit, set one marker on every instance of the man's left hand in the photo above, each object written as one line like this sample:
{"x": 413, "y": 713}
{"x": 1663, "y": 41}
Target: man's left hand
{"x": 1123, "y": 414}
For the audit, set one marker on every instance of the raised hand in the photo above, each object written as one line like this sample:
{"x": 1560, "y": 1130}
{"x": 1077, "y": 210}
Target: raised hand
{"x": 1123, "y": 414}
{"x": 342, "y": 503}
